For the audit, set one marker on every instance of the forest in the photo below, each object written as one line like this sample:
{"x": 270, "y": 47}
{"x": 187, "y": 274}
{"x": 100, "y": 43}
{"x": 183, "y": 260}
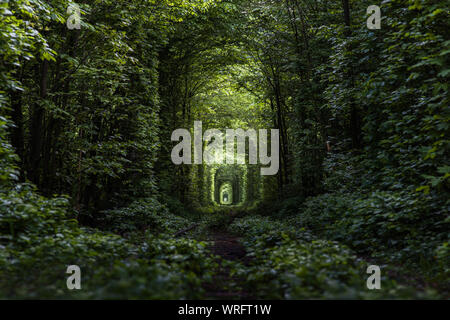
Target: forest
{"x": 92, "y": 92}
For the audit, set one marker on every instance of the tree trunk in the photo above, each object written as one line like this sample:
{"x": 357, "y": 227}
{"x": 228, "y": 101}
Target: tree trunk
{"x": 355, "y": 117}
{"x": 37, "y": 127}
{"x": 17, "y": 140}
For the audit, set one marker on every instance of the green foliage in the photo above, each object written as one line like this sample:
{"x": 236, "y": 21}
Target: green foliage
{"x": 85, "y": 103}
{"x": 287, "y": 263}
{"x": 218, "y": 220}
{"x": 141, "y": 215}
{"x": 400, "y": 89}
{"x": 403, "y": 227}
{"x": 281, "y": 209}
{"x": 8, "y": 171}
{"x": 39, "y": 241}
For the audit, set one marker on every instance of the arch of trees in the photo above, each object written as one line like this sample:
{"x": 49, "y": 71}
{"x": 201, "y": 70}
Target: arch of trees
{"x": 230, "y": 177}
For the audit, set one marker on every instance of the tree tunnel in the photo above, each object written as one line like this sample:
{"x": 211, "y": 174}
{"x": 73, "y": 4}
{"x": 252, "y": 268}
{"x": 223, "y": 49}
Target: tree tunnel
{"x": 226, "y": 193}
{"x": 228, "y": 186}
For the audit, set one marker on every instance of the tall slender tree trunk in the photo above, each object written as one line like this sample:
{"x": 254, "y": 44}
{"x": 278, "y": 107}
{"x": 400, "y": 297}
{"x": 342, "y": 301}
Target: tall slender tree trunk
{"x": 37, "y": 125}
{"x": 17, "y": 140}
{"x": 355, "y": 117}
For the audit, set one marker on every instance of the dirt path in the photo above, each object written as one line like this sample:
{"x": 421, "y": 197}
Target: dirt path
{"x": 227, "y": 246}
{"x": 226, "y": 286}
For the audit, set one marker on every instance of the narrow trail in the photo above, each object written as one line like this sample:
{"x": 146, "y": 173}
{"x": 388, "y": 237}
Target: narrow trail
{"x": 229, "y": 249}
{"x": 228, "y": 246}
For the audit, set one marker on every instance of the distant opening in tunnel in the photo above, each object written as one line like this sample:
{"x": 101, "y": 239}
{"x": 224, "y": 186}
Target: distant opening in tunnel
{"x": 228, "y": 185}
{"x": 226, "y": 193}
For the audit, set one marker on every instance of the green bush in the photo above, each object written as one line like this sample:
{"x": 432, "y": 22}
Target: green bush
{"x": 404, "y": 226}
{"x": 39, "y": 240}
{"x": 141, "y": 215}
{"x": 286, "y": 262}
